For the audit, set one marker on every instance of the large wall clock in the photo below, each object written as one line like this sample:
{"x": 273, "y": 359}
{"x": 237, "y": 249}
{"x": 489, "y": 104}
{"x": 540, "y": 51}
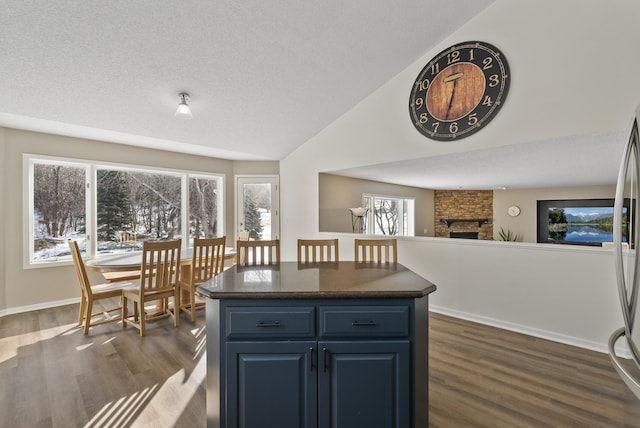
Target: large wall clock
{"x": 459, "y": 91}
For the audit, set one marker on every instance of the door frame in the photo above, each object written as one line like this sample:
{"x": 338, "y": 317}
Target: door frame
{"x": 274, "y": 180}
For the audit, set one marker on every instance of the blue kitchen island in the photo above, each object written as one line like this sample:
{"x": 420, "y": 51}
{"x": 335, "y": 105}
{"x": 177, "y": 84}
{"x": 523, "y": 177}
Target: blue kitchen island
{"x": 317, "y": 345}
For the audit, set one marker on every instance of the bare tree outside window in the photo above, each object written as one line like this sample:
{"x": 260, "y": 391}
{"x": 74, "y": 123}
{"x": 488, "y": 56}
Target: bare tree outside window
{"x": 388, "y": 215}
{"x": 133, "y": 207}
{"x": 128, "y": 205}
{"x": 58, "y": 205}
{"x": 203, "y": 208}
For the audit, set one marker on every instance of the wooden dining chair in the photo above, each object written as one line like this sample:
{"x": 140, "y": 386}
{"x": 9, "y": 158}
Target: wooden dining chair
{"x": 207, "y": 261}
{"x": 258, "y": 252}
{"x": 376, "y": 250}
{"x": 243, "y": 235}
{"x": 317, "y": 250}
{"x": 159, "y": 279}
{"x": 91, "y": 293}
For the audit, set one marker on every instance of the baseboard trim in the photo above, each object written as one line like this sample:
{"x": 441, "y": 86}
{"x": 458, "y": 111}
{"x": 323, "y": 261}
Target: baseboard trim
{"x": 621, "y": 349}
{"x": 38, "y": 306}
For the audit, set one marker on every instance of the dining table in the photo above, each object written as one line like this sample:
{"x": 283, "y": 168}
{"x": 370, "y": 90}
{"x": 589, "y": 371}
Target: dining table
{"x": 132, "y": 260}
{"x": 117, "y": 267}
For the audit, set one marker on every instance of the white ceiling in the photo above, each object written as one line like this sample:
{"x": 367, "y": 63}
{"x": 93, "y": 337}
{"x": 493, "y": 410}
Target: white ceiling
{"x": 583, "y": 160}
{"x": 264, "y": 76}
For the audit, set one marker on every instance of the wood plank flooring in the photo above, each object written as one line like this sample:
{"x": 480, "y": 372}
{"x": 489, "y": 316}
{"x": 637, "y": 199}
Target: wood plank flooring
{"x": 482, "y": 376}
{"x": 52, "y": 375}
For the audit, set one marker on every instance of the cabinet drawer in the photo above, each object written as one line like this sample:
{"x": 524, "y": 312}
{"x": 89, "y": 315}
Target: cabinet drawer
{"x": 364, "y": 321}
{"x": 245, "y": 322}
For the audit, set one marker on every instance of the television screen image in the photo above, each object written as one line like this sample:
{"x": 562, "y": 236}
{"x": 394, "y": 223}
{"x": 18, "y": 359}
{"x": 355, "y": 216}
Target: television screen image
{"x": 578, "y": 222}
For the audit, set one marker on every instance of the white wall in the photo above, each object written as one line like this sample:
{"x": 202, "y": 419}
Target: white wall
{"x": 3, "y": 209}
{"x": 575, "y": 297}
{"x": 337, "y": 194}
{"x": 525, "y": 224}
{"x": 564, "y": 293}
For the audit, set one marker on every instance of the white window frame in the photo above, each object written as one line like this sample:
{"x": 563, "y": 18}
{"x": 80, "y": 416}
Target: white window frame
{"x": 28, "y": 162}
{"x": 404, "y": 228}
{"x": 91, "y": 204}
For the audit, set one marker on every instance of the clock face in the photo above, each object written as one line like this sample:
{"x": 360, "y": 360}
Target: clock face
{"x": 459, "y": 91}
{"x": 514, "y": 211}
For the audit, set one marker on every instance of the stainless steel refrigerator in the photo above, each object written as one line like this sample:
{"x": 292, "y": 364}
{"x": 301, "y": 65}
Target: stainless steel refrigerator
{"x": 627, "y": 262}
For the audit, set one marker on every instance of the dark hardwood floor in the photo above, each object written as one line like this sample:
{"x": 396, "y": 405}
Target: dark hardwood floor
{"x": 52, "y": 375}
{"x": 482, "y": 376}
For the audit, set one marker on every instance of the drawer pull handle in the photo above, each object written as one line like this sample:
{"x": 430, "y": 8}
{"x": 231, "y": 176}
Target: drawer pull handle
{"x": 364, "y": 323}
{"x": 325, "y": 356}
{"x": 311, "y": 359}
{"x": 268, "y": 324}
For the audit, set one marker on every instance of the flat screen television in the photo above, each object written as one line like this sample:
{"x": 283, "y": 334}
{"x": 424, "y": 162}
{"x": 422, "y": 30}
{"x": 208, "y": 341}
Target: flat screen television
{"x": 579, "y": 221}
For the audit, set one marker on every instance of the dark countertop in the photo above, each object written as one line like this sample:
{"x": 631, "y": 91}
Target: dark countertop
{"x": 343, "y": 280}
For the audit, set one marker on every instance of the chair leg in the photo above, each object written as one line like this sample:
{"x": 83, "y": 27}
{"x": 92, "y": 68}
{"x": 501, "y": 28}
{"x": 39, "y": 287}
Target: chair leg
{"x": 192, "y": 303}
{"x": 87, "y": 319}
{"x": 136, "y": 313}
{"x": 121, "y": 313}
{"x": 83, "y": 307}
{"x": 124, "y": 312}
{"x": 143, "y": 318}
{"x": 176, "y": 307}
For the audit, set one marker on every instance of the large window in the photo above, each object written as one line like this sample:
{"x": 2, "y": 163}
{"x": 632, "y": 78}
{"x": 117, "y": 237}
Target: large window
{"x": 57, "y": 209}
{"x": 134, "y": 206}
{"x": 387, "y": 215}
{"x": 114, "y": 208}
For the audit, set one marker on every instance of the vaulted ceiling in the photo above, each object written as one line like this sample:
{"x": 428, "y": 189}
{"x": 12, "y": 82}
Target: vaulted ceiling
{"x": 265, "y": 77}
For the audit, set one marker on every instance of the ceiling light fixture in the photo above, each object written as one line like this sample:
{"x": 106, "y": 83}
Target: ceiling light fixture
{"x": 184, "y": 111}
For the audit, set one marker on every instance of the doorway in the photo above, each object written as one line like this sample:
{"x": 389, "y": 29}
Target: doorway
{"x": 258, "y": 206}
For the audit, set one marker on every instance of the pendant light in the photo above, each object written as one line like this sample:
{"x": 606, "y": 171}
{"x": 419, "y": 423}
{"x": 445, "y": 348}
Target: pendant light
{"x": 184, "y": 111}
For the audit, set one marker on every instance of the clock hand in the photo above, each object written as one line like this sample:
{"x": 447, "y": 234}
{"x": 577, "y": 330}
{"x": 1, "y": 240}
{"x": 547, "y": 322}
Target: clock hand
{"x": 446, "y": 117}
{"x": 453, "y": 77}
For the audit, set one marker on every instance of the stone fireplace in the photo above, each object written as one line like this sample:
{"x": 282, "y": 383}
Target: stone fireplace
{"x": 463, "y": 214}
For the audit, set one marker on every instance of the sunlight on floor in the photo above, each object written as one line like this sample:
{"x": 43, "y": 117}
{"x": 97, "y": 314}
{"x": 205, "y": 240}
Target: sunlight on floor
{"x": 83, "y": 347}
{"x": 124, "y": 411}
{"x": 157, "y": 405}
{"x": 164, "y": 402}
{"x": 9, "y": 346}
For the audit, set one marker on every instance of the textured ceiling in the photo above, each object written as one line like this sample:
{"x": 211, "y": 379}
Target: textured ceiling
{"x": 264, "y": 76}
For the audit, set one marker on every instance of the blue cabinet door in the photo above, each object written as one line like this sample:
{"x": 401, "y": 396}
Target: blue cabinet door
{"x": 364, "y": 384}
{"x": 271, "y": 384}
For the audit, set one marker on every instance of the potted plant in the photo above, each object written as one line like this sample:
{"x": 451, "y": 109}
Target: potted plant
{"x": 508, "y": 235}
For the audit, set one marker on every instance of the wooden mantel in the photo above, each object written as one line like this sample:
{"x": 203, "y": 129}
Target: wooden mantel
{"x": 450, "y": 221}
